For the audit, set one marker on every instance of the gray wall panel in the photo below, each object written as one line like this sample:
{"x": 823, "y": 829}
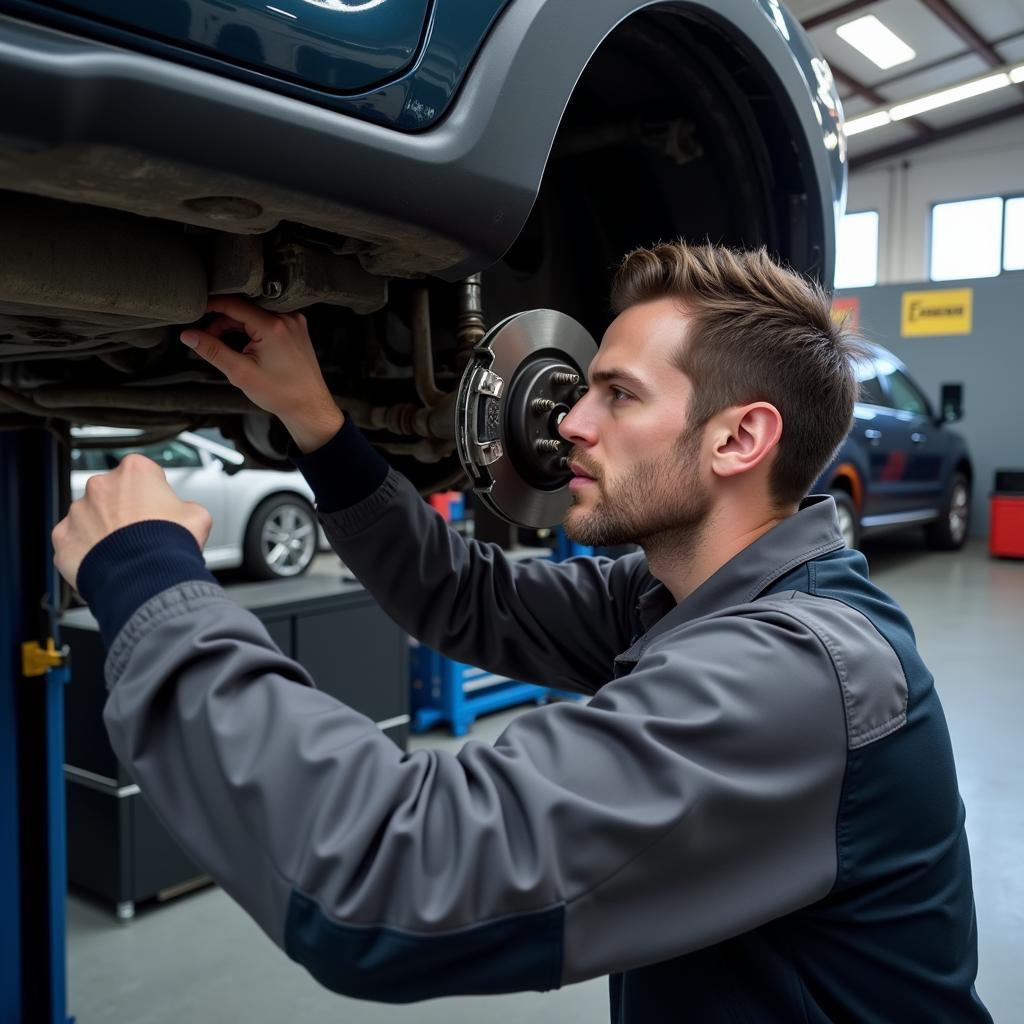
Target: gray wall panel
{"x": 989, "y": 362}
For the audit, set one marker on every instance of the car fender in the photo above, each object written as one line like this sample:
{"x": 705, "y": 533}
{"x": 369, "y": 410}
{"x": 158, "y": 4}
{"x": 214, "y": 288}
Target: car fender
{"x": 957, "y": 453}
{"x": 254, "y": 486}
{"x": 458, "y": 192}
{"x": 849, "y": 470}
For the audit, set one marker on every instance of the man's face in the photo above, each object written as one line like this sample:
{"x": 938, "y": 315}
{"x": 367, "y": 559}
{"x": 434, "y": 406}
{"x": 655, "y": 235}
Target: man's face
{"x": 638, "y": 465}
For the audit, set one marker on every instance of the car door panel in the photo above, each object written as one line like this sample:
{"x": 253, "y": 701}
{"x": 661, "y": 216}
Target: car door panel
{"x": 205, "y": 484}
{"x": 883, "y": 439}
{"x": 925, "y": 446}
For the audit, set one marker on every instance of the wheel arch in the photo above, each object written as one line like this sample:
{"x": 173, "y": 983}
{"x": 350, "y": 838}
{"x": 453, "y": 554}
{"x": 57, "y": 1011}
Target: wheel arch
{"x": 963, "y": 465}
{"x": 846, "y": 477}
{"x": 554, "y": 53}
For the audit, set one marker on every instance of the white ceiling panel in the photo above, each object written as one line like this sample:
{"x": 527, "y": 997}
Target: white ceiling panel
{"x": 953, "y": 72}
{"x": 1012, "y": 50}
{"x": 942, "y": 59}
{"x": 990, "y": 18}
{"x": 888, "y": 135}
{"x": 930, "y": 39}
{"x": 977, "y": 106}
{"x": 804, "y": 9}
{"x": 856, "y": 105}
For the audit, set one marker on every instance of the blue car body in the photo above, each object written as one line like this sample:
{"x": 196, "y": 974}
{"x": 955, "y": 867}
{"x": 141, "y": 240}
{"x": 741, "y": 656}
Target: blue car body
{"x": 899, "y": 461}
{"x": 398, "y": 63}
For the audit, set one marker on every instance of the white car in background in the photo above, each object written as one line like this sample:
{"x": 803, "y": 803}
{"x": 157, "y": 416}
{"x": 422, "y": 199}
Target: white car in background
{"x": 263, "y": 520}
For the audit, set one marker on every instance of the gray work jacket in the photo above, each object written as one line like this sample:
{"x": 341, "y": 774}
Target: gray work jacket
{"x": 754, "y": 817}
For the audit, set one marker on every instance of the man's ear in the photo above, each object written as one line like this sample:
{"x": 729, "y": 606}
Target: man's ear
{"x": 743, "y": 437}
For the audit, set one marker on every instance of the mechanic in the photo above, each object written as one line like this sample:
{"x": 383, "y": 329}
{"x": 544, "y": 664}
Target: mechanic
{"x": 755, "y": 816}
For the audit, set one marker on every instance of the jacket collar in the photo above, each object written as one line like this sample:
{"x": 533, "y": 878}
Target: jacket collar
{"x": 810, "y": 532}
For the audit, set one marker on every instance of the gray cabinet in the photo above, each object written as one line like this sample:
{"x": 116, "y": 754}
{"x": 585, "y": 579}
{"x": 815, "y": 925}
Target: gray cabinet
{"x": 117, "y": 849}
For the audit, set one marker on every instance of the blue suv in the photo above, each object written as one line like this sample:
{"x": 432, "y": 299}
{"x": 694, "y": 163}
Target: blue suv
{"x": 901, "y": 465}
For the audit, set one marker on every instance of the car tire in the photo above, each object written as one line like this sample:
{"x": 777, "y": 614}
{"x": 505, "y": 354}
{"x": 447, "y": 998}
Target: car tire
{"x": 849, "y": 519}
{"x": 281, "y": 538}
{"x": 949, "y": 532}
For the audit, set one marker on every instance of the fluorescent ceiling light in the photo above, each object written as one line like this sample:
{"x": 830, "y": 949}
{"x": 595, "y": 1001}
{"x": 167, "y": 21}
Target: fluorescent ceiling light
{"x": 862, "y": 124}
{"x": 921, "y": 104}
{"x": 945, "y": 96}
{"x": 876, "y": 41}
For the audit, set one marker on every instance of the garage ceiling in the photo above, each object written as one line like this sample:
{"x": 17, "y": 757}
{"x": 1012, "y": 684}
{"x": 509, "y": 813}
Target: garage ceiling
{"x": 954, "y": 41}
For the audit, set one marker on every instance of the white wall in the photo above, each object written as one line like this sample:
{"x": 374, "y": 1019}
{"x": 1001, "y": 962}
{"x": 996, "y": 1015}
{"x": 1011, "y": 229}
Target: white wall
{"x": 982, "y": 163}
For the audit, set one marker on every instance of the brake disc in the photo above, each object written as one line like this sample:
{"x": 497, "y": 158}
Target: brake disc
{"x": 525, "y": 376}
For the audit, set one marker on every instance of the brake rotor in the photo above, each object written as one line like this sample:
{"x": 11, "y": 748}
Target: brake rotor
{"x": 525, "y": 376}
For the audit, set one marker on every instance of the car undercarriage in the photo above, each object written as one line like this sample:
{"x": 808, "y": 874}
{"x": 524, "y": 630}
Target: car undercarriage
{"x": 672, "y": 131}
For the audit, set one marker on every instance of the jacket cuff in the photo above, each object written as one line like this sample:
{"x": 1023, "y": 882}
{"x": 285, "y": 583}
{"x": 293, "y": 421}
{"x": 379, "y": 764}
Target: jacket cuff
{"x": 343, "y": 471}
{"x": 132, "y": 565}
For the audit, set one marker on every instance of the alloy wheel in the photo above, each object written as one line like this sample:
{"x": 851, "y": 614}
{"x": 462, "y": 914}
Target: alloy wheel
{"x": 288, "y": 540}
{"x": 959, "y": 508}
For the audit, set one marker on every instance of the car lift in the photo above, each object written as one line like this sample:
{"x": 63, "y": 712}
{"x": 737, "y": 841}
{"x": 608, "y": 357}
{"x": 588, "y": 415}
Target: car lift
{"x": 33, "y": 672}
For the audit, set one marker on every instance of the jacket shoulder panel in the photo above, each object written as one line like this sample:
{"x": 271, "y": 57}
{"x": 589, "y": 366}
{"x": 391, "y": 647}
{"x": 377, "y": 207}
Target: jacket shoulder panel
{"x": 870, "y": 674}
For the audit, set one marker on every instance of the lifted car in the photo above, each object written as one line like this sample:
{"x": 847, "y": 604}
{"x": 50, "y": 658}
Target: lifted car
{"x": 407, "y": 174}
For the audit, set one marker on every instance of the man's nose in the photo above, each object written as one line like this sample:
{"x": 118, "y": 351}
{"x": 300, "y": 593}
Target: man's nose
{"x": 577, "y": 427}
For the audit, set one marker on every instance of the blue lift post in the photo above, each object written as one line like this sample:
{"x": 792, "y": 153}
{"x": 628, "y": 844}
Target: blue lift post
{"x": 33, "y": 672}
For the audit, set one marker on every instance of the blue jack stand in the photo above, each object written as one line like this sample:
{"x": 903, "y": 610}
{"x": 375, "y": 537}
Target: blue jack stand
{"x": 443, "y": 690}
{"x": 33, "y": 672}
{"x": 448, "y": 691}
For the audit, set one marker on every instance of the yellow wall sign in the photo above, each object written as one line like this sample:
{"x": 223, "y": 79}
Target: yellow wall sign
{"x": 936, "y": 312}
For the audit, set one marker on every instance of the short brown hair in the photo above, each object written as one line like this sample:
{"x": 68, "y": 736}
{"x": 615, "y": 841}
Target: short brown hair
{"x": 759, "y": 332}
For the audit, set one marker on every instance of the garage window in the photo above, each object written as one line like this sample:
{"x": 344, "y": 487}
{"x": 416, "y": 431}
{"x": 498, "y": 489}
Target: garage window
{"x": 857, "y": 250}
{"x": 977, "y": 237}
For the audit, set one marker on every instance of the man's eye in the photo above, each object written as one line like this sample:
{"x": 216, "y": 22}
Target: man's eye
{"x": 619, "y": 395}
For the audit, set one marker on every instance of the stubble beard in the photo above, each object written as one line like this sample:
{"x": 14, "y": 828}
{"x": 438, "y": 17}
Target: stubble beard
{"x": 659, "y": 504}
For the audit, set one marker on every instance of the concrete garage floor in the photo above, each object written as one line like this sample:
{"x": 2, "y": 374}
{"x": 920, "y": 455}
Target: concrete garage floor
{"x": 199, "y": 958}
